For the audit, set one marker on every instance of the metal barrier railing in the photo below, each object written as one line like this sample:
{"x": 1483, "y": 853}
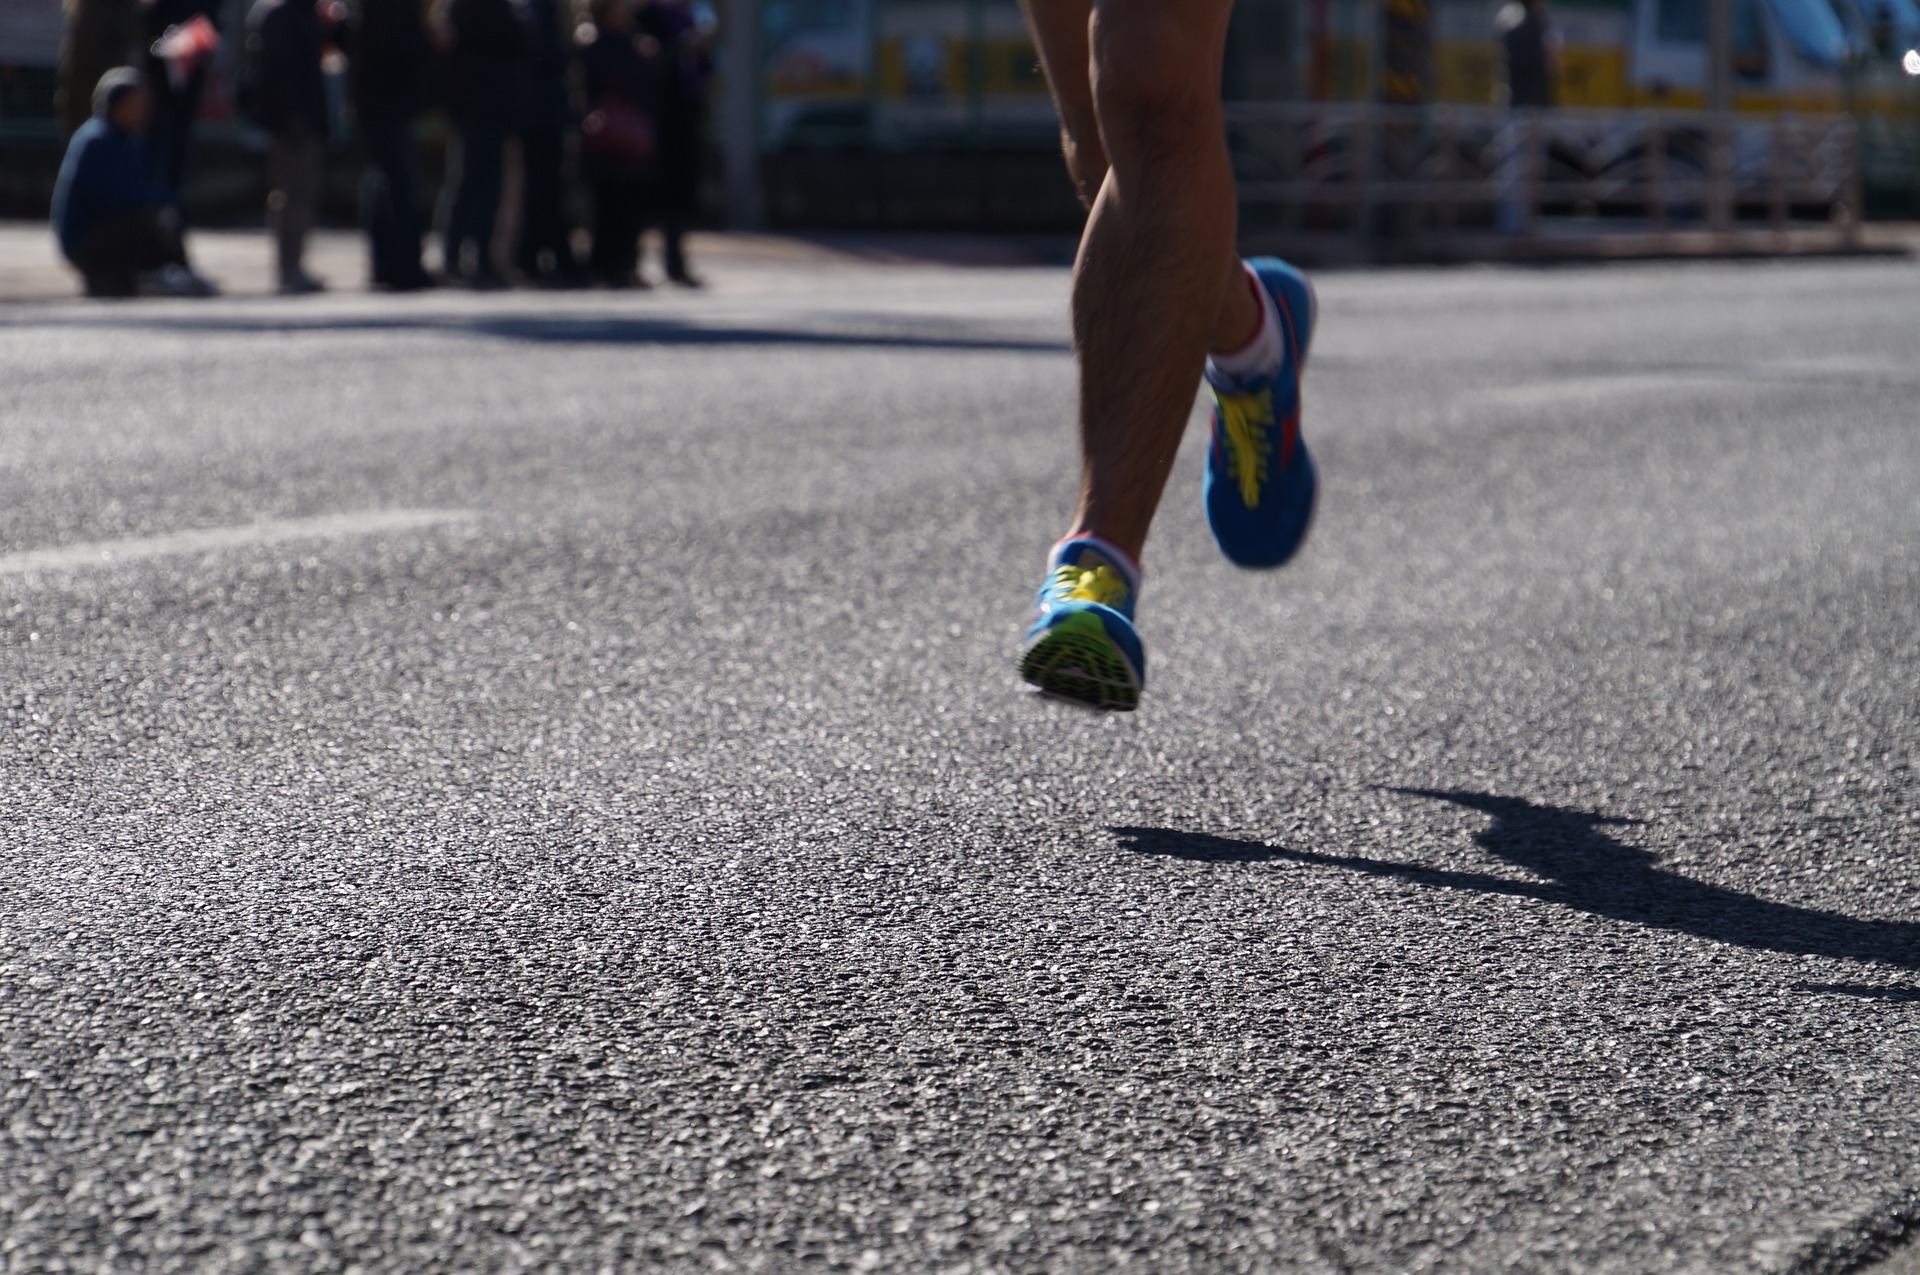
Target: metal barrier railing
{"x": 1420, "y": 172}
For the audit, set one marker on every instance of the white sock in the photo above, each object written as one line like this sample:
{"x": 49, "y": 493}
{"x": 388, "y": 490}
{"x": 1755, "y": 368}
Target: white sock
{"x": 1259, "y": 356}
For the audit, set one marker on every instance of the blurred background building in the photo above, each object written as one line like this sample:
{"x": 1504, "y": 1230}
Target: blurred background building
{"x": 933, "y": 114}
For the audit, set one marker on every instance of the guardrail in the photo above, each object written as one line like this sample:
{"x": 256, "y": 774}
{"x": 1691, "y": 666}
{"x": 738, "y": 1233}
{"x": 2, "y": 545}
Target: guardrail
{"x": 1528, "y": 182}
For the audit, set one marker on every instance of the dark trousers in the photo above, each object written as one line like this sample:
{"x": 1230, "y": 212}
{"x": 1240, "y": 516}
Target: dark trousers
{"x": 678, "y": 185}
{"x": 387, "y": 201}
{"x": 296, "y": 186}
{"x": 543, "y": 214}
{"x": 120, "y": 247}
{"x": 170, "y": 134}
{"x": 472, "y": 199}
{"x": 619, "y": 215}
{"x": 673, "y": 235}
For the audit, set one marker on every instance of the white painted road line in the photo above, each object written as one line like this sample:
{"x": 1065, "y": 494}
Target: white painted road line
{"x": 104, "y": 553}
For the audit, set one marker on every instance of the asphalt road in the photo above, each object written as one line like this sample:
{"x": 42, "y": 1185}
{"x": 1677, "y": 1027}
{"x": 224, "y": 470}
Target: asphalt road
{"x": 534, "y": 781}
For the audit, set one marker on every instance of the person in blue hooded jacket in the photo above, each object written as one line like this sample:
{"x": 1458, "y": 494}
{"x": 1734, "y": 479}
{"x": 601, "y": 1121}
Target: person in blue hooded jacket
{"x": 115, "y": 222}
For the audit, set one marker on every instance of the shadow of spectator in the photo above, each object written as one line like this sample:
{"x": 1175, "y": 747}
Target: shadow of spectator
{"x": 1581, "y": 866}
{"x": 873, "y": 331}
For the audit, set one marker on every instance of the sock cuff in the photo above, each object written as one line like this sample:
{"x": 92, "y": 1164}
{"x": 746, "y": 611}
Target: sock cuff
{"x": 1261, "y": 302}
{"x": 1262, "y": 354}
{"x": 1106, "y": 549}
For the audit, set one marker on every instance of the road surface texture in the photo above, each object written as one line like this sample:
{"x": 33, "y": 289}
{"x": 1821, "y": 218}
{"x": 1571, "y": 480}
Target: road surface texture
{"x": 497, "y": 782}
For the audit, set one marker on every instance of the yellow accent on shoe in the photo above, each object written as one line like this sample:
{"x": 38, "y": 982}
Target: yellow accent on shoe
{"x": 1100, "y": 584}
{"x": 1245, "y": 419}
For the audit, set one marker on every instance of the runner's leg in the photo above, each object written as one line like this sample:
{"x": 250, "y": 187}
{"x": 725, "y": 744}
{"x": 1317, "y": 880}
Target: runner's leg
{"x": 1155, "y": 283}
{"x": 1060, "y": 30}
{"x": 1158, "y": 283}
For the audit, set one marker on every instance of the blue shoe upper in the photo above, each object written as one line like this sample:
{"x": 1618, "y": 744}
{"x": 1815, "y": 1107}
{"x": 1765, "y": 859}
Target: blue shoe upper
{"x": 1293, "y": 297}
{"x": 1260, "y": 482}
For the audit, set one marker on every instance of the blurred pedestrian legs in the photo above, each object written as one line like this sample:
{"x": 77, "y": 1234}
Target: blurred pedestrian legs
{"x": 284, "y": 90}
{"x": 295, "y": 159}
{"x": 182, "y": 36}
{"x": 469, "y": 203}
{"x": 619, "y": 216}
{"x": 1533, "y": 66}
{"x": 617, "y": 140}
{"x": 487, "y": 55}
{"x": 544, "y": 249}
{"x": 1532, "y": 49}
{"x": 684, "y": 33}
{"x": 387, "y": 56}
{"x": 389, "y": 205}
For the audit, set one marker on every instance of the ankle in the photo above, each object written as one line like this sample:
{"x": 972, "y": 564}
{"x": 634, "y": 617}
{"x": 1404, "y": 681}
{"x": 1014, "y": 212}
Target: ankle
{"x": 1252, "y": 322}
{"x": 1262, "y": 353}
{"x": 1125, "y": 562}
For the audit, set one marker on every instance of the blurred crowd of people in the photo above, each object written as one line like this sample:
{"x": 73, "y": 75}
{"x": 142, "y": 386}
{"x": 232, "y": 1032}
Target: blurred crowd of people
{"x": 606, "y": 100}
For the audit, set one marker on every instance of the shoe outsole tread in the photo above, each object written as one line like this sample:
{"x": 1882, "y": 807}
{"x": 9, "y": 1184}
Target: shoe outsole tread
{"x": 1079, "y": 662}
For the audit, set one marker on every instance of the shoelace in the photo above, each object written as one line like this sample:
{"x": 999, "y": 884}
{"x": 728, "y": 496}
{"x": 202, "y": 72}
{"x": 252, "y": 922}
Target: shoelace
{"x": 1247, "y": 418}
{"x": 1079, "y": 584}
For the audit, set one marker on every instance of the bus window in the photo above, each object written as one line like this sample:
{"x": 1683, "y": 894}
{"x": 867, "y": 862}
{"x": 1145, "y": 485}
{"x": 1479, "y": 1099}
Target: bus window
{"x": 1813, "y": 30}
{"x": 1749, "y": 42}
{"x": 1682, "y": 21}
{"x": 1685, "y": 22}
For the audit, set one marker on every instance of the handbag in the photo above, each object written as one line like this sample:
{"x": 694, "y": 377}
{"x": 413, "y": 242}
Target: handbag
{"x": 615, "y": 131}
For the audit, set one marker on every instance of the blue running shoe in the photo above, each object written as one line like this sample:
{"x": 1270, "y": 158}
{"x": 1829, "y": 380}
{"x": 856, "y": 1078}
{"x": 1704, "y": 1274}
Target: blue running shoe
{"x": 1260, "y": 483}
{"x": 1082, "y": 646}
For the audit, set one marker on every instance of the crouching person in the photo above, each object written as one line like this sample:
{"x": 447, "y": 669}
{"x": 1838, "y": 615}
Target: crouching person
{"x": 116, "y": 225}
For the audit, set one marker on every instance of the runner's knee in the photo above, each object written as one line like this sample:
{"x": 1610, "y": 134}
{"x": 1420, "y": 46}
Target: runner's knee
{"x": 1155, "y": 76}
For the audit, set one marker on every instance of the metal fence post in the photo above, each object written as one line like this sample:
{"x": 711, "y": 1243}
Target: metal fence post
{"x": 1720, "y": 207}
{"x": 1720, "y": 105}
{"x": 1777, "y": 177}
{"x": 1656, "y": 144}
{"x": 1532, "y": 173}
{"x": 1856, "y": 194}
{"x": 1366, "y": 171}
{"x": 1524, "y": 168}
{"x": 740, "y": 115}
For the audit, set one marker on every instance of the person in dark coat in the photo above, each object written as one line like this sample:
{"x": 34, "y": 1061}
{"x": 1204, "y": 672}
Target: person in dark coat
{"x": 100, "y": 35}
{"x": 288, "y": 98}
{"x": 544, "y": 250}
{"x": 387, "y": 54}
{"x": 114, "y": 222}
{"x": 1533, "y": 52}
{"x": 176, "y": 90}
{"x": 486, "y": 77}
{"x": 686, "y": 65}
{"x": 617, "y": 140}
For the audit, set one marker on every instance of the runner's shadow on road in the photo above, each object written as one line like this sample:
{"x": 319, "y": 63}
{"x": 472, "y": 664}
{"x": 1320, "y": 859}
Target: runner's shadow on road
{"x": 1865, "y": 991}
{"x": 1583, "y": 867}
